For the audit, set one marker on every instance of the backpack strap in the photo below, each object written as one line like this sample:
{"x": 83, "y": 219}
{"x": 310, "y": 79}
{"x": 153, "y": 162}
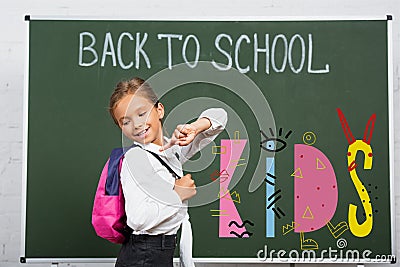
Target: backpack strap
{"x": 176, "y": 176}
{"x": 113, "y": 174}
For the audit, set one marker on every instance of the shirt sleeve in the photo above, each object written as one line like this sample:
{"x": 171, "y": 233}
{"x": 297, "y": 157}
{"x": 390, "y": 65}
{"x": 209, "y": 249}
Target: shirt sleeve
{"x": 218, "y": 118}
{"x": 150, "y": 201}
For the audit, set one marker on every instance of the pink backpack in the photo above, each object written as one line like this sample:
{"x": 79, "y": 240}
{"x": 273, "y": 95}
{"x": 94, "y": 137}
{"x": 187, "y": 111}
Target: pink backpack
{"x": 108, "y": 215}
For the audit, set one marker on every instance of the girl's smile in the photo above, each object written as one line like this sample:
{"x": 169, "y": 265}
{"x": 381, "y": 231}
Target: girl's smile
{"x": 143, "y": 133}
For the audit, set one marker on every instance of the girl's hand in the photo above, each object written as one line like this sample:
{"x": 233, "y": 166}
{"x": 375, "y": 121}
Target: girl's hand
{"x": 185, "y": 187}
{"x": 182, "y": 136}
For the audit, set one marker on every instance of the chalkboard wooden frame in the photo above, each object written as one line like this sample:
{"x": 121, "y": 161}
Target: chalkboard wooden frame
{"x": 216, "y": 260}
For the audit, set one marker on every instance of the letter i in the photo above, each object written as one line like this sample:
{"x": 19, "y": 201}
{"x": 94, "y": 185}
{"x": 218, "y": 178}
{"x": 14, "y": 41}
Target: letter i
{"x": 270, "y": 189}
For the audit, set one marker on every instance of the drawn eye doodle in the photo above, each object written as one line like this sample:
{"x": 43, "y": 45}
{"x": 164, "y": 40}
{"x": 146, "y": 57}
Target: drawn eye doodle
{"x": 274, "y": 144}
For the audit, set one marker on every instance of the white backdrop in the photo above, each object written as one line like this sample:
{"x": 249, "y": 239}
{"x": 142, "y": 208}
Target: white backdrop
{"x": 13, "y": 58}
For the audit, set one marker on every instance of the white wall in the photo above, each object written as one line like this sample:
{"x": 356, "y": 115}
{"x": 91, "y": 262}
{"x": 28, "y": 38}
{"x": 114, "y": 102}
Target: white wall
{"x": 12, "y": 58}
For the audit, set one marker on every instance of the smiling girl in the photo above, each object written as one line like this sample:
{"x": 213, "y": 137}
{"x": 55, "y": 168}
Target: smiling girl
{"x": 155, "y": 201}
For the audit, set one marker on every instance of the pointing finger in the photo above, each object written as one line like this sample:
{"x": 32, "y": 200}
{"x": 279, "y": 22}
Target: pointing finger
{"x": 166, "y": 146}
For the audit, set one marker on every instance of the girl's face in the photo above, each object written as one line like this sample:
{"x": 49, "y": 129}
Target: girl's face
{"x": 139, "y": 119}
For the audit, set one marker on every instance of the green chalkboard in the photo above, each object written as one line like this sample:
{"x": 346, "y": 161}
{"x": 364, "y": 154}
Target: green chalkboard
{"x": 308, "y": 133}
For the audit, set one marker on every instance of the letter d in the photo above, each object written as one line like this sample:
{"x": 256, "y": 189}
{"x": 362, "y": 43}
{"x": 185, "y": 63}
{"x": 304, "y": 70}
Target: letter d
{"x": 265, "y": 253}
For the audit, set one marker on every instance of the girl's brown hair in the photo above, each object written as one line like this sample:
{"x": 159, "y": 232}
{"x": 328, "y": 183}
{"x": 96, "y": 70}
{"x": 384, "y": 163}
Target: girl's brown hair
{"x": 133, "y": 86}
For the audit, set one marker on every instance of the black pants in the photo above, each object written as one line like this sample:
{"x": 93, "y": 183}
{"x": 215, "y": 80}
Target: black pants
{"x": 147, "y": 251}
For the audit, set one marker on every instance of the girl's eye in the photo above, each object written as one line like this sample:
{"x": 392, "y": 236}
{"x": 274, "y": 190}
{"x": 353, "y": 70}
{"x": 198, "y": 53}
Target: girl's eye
{"x": 142, "y": 114}
{"x": 125, "y": 123}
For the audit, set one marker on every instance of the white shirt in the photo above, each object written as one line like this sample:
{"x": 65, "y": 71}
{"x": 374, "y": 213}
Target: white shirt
{"x": 151, "y": 205}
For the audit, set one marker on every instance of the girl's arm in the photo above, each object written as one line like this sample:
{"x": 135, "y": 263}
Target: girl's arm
{"x": 150, "y": 200}
{"x": 211, "y": 122}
